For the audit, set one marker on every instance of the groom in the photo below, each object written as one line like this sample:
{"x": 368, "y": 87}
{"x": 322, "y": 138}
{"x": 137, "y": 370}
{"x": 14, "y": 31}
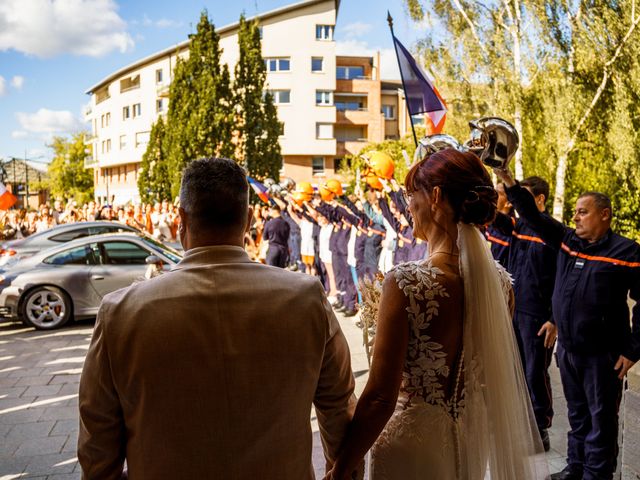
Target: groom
{"x": 210, "y": 370}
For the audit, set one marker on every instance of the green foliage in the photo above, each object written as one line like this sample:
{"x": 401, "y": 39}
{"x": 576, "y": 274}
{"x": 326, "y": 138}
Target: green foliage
{"x": 200, "y": 118}
{"x": 394, "y": 148}
{"x": 68, "y": 179}
{"x": 576, "y": 83}
{"x": 154, "y": 180}
{"x": 258, "y": 127}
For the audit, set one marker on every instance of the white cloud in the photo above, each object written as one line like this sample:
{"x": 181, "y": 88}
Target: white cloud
{"x": 46, "y": 28}
{"x": 17, "y": 82}
{"x": 49, "y": 122}
{"x": 356, "y": 29}
{"x": 19, "y": 134}
{"x": 3, "y": 88}
{"x": 388, "y": 62}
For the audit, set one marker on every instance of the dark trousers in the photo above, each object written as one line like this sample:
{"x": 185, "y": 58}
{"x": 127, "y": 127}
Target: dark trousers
{"x": 535, "y": 364}
{"x": 344, "y": 280}
{"x": 277, "y": 255}
{"x": 593, "y": 392}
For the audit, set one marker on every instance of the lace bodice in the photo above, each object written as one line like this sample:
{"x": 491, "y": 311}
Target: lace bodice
{"x": 433, "y": 372}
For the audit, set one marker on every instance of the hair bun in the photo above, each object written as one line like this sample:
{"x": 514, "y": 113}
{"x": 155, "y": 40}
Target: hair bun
{"x": 479, "y": 205}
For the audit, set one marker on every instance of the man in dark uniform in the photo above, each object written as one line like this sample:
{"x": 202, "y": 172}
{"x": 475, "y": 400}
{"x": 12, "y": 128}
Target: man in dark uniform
{"x": 596, "y": 271}
{"x": 276, "y": 232}
{"x": 532, "y": 264}
{"x": 499, "y": 241}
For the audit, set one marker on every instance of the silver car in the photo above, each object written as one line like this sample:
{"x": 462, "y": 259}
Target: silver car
{"x": 13, "y": 250}
{"x": 48, "y": 288}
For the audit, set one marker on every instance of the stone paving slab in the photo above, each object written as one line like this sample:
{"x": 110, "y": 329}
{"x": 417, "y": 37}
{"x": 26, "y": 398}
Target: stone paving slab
{"x": 39, "y": 379}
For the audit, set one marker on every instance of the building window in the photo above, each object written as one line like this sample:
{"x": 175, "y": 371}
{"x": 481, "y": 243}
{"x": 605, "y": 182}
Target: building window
{"x": 324, "y": 97}
{"x": 260, "y": 30}
{"x": 137, "y": 110}
{"x": 108, "y": 145}
{"x": 142, "y": 138}
{"x": 316, "y": 64}
{"x": 281, "y": 132}
{"x": 277, "y": 64}
{"x": 159, "y": 75}
{"x": 126, "y": 112}
{"x": 389, "y": 112}
{"x": 101, "y": 121}
{"x": 343, "y": 106}
{"x": 324, "y": 131}
{"x": 102, "y": 94}
{"x": 281, "y": 97}
{"x": 317, "y": 165}
{"x": 324, "y": 32}
{"x": 349, "y": 73}
{"x": 123, "y": 141}
{"x": 108, "y": 118}
{"x": 339, "y": 163}
{"x": 159, "y": 105}
{"x": 418, "y": 119}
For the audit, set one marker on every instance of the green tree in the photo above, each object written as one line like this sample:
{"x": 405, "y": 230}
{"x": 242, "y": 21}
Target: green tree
{"x": 154, "y": 180}
{"x": 566, "y": 73}
{"x": 258, "y": 127}
{"x": 68, "y": 178}
{"x": 200, "y": 118}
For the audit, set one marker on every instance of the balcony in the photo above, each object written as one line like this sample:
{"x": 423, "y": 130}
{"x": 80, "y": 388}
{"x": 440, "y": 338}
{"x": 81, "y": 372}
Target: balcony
{"x": 162, "y": 91}
{"x": 361, "y": 116}
{"x": 350, "y": 146}
{"x": 90, "y": 162}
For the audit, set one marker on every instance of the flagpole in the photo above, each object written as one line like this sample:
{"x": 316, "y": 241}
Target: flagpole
{"x": 406, "y": 98}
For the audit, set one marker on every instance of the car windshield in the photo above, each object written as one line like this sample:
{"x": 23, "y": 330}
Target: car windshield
{"x": 163, "y": 249}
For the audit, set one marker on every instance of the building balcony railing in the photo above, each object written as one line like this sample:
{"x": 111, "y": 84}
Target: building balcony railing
{"x": 350, "y": 146}
{"x": 354, "y": 117}
{"x": 162, "y": 91}
{"x": 90, "y": 162}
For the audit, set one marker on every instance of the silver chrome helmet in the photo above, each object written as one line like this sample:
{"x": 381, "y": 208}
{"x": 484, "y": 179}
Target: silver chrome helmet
{"x": 494, "y": 140}
{"x": 434, "y": 143}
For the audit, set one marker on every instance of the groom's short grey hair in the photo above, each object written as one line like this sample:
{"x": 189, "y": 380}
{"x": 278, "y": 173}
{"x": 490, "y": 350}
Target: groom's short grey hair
{"x": 215, "y": 194}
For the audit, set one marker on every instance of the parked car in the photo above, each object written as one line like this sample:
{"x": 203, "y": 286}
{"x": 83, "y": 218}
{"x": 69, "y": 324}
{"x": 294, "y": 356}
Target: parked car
{"x": 50, "y": 287}
{"x": 13, "y": 250}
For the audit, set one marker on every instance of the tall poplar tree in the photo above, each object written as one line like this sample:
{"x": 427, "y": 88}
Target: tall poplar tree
{"x": 200, "y": 118}
{"x": 258, "y": 127}
{"x": 154, "y": 180}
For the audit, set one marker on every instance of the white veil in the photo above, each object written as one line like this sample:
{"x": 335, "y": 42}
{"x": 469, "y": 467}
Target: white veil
{"x": 499, "y": 428}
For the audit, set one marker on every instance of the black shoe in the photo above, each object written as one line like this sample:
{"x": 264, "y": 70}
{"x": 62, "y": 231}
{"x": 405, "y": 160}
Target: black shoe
{"x": 341, "y": 308}
{"x": 350, "y": 313}
{"x": 569, "y": 473}
{"x": 339, "y": 304}
{"x": 546, "y": 443}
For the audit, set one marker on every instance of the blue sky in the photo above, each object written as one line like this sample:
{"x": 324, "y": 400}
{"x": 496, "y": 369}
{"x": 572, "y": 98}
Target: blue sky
{"x": 51, "y": 51}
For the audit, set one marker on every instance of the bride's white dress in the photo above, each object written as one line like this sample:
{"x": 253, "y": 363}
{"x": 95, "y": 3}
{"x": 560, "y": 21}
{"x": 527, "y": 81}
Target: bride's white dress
{"x": 463, "y": 408}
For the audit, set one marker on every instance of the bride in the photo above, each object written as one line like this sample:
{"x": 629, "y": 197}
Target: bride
{"x": 446, "y": 397}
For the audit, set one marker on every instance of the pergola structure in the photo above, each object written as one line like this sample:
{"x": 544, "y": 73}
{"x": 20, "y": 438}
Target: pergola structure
{"x": 24, "y": 180}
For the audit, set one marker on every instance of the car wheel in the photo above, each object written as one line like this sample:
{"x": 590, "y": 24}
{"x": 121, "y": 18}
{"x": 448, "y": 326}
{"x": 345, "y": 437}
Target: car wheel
{"x": 46, "y": 308}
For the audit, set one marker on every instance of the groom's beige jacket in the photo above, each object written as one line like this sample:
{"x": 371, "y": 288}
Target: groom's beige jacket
{"x": 209, "y": 372}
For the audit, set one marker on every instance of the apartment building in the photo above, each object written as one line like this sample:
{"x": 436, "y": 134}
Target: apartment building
{"x": 329, "y": 105}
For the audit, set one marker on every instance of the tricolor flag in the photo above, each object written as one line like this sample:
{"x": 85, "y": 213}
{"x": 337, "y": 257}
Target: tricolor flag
{"x": 260, "y": 189}
{"x": 7, "y": 199}
{"x": 420, "y": 93}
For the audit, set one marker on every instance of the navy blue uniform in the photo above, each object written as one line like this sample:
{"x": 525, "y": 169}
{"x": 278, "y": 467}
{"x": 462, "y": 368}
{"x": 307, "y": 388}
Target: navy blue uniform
{"x": 499, "y": 244}
{"x": 276, "y": 232}
{"x": 590, "y": 309}
{"x": 532, "y": 264}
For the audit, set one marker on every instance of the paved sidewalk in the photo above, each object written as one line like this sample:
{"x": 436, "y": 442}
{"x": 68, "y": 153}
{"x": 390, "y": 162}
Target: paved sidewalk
{"x": 39, "y": 376}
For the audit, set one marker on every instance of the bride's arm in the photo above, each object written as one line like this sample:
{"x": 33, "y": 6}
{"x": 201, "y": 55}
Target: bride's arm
{"x": 379, "y": 397}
